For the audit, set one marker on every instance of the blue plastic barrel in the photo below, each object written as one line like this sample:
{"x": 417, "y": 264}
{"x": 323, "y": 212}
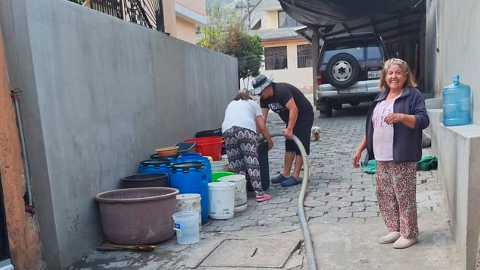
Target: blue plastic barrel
{"x": 456, "y": 103}
{"x": 191, "y": 177}
{"x": 193, "y": 157}
{"x": 155, "y": 166}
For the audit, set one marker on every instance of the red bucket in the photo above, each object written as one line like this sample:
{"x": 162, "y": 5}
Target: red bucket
{"x": 208, "y": 146}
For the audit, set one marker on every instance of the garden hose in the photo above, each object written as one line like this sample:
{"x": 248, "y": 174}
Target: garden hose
{"x": 300, "y": 211}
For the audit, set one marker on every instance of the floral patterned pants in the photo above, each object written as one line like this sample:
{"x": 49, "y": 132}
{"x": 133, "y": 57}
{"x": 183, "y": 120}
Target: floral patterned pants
{"x": 241, "y": 147}
{"x": 396, "y": 194}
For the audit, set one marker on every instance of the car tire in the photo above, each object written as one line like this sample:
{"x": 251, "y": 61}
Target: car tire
{"x": 328, "y": 110}
{"x": 342, "y": 70}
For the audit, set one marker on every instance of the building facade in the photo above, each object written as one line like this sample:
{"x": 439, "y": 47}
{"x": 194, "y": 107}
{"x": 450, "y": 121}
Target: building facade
{"x": 287, "y": 56}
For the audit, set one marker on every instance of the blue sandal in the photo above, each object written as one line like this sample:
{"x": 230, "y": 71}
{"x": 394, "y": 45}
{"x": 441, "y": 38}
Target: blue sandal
{"x": 291, "y": 181}
{"x": 279, "y": 179}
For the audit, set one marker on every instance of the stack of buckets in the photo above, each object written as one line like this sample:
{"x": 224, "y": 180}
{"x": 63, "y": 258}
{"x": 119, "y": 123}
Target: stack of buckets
{"x": 199, "y": 197}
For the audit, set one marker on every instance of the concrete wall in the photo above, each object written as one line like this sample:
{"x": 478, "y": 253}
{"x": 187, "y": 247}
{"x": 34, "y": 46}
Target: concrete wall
{"x": 458, "y": 148}
{"x": 100, "y": 95}
{"x": 22, "y": 227}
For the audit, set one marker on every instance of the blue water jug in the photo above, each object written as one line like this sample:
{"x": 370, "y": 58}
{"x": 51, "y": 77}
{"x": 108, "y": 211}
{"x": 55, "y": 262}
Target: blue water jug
{"x": 456, "y": 103}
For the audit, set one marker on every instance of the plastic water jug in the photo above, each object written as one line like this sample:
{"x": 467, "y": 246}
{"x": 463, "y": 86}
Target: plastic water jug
{"x": 456, "y": 103}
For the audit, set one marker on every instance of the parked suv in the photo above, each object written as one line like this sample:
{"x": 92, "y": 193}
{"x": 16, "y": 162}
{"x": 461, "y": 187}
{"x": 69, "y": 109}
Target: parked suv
{"x": 349, "y": 69}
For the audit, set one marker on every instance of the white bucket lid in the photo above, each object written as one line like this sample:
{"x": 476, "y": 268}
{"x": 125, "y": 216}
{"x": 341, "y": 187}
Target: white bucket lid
{"x": 232, "y": 178}
{"x": 221, "y": 185}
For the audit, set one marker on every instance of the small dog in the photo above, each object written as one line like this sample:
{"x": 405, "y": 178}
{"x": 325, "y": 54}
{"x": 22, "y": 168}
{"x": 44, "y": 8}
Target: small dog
{"x": 315, "y": 135}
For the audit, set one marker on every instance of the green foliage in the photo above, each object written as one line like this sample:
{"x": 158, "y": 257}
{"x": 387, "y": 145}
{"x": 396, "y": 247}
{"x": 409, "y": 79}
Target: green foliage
{"x": 226, "y": 33}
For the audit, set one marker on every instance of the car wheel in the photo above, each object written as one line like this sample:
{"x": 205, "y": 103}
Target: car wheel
{"x": 342, "y": 70}
{"x": 326, "y": 110}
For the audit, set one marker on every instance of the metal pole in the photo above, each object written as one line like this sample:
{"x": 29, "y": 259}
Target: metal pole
{"x": 248, "y": 12}
{"x": 315, "y": 56}
{"x": 15, "y": 95}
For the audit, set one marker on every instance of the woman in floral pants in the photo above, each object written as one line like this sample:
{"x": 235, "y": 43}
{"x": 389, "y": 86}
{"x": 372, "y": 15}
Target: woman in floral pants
{"x": 239, "y": 128}
{"x": 393, "y": 138}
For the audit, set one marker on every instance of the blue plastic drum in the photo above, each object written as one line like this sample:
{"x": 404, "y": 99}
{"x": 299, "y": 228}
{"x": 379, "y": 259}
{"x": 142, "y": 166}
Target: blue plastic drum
{"x": 155, "y": 166}
{"x": 189, "y": 157}
{"x": 191, "y": 177}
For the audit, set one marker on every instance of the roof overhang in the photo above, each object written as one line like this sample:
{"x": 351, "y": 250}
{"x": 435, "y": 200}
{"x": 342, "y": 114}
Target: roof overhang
{"x": 190, "y": 15}
{"x": 396, "y": 22}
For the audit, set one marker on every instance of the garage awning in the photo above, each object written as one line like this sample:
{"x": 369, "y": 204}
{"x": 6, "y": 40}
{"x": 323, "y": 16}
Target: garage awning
{"x": 390, "y": 19}
{"x": 330, "y": 12}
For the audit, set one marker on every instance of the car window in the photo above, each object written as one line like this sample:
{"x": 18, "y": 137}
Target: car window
{"x": 355, "y": 48}
{"x": 373, "y": 50}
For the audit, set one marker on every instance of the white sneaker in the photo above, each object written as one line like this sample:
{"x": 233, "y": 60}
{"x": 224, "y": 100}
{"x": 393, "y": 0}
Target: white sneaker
{"x": 404, "y": 242}
{"x": 389, "y": 238}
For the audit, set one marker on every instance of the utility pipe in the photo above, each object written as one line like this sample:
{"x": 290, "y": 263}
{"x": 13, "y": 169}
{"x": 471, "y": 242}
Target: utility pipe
{"x": 15, "y": 94}
{"x": 300, "y": 211}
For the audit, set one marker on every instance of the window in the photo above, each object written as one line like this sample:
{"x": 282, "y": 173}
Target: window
{"x": 304, "y": 56}
{"x": 276, "y": 58}
{"x": 355, "y": 48}
{"x": 373, "y": 51}
{"x": 284, "y": 20}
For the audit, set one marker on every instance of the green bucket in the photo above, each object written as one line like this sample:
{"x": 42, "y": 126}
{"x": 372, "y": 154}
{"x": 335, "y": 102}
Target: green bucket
{"x": 216, "y": 175}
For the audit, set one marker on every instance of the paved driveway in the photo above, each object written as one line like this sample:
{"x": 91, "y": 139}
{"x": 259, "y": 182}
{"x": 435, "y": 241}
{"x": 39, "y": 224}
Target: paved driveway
{"x": 341, "y": 209}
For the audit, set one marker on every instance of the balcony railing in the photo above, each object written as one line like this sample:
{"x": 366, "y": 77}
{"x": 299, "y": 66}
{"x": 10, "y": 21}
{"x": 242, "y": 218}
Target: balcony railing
{"x": 148, "y": 13}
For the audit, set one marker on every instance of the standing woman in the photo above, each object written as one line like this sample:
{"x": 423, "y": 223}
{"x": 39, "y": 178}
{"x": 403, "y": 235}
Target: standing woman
{"x": 239, "y": 128}
{"x": 394, "y": 139}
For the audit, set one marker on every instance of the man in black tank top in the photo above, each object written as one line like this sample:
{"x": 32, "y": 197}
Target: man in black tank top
{"x": 296, "y": 111}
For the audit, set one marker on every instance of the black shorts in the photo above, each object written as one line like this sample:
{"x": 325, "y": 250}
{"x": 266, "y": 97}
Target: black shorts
{"x": 302, "y": 130}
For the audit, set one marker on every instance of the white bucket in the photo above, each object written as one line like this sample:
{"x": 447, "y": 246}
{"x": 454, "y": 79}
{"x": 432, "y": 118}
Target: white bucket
{"x": 219, "y": 166}
{"x": 240, "y": 190}
{"x": 222, "y": 200}
{"x": 186, "y": 227}
{"x": 190, "y": 202}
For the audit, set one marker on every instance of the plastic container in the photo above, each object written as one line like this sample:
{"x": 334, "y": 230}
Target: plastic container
{"x": 185, "y": 147}
{"x": 186, "y": 227}
{"x": 145, "y": 180}
{"x": 190, "y": 177}
{"x": 137, "y": 216}
{"x": 222, "y": 200}
{"x": 208, "y": 146}
{"x": 219, "y": 166}
{"x": 217, "y": 175}
{"x": 240, "y": 190}
{"x": 209, "y": 133}
{"x": 264, "y": 167}
{"x": 190, "y": 202}
{"x": 189, "y": 157}
{"x": 154, "y": 166}
{"x": 456, "y": 103}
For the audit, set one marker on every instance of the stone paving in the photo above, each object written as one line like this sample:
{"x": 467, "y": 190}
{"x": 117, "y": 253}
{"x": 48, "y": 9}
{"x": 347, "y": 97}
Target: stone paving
{"x": 338, "y": 196}
{"x": 337, "y": 192}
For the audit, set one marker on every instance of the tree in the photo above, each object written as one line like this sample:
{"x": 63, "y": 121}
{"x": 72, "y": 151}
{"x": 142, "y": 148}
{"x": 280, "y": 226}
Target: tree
{"x": 227, "y": 34}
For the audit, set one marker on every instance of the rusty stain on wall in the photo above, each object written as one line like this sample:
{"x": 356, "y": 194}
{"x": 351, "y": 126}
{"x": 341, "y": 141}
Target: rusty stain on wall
{"x": 22, "y": 227}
